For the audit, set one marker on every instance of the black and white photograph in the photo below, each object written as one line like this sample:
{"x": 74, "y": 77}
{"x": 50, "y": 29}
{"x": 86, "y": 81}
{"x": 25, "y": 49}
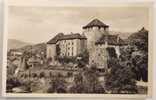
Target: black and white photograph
{"x": 78, "y": 50}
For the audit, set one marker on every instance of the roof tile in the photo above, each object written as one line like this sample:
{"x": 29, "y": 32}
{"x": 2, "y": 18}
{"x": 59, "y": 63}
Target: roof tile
{"x": 95, "y": 22}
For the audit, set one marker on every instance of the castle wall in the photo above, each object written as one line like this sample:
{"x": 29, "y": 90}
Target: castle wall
{"x": 93, "y": 34}
{"x": 51, "y": 51}
{"x": 99, "y": 57}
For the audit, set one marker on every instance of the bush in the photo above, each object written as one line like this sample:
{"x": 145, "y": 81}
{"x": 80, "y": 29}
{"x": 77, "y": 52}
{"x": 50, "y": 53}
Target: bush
{"x": 121, "y": 78}
{"x": 57, "y": 85}
{"x": 12, "y": 82}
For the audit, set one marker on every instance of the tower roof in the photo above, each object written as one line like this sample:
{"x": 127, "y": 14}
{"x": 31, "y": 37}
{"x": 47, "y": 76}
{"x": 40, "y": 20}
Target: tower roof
{"x": 95, "y": 22}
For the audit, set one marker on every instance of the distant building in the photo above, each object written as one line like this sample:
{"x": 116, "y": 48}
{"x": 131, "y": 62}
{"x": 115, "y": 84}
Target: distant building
{"x": 66, "y": 45}
{"x": 100, "y": 42}
{"x": 15, "y": 52}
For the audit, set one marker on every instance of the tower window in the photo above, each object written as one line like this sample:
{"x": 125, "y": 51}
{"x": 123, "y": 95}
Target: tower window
{"x": 72, "y": 53}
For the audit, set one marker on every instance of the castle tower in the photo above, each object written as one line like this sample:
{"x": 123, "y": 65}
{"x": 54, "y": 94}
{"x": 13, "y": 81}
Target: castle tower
{"x": 93, "y": 31}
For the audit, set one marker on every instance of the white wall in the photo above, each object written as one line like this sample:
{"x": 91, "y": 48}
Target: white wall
{"x": 51, "y": 50}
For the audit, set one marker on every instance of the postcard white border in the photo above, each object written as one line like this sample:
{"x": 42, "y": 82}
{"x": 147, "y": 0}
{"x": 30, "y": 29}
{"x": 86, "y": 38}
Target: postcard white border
{"x": 150, "y": 64}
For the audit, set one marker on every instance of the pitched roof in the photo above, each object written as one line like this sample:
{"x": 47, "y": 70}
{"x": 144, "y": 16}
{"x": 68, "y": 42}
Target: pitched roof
{"x": 65, "y": 37}
{"x": 111, "y": 39}
{"x": 55, "y": 39}
{"x": 72, "y": 36}
{"x": 95, "y": 22}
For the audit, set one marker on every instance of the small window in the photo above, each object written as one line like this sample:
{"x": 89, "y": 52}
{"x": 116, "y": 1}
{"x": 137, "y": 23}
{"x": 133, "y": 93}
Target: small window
{"x": 99, "y": 54}
{"x": 72, "y": 43}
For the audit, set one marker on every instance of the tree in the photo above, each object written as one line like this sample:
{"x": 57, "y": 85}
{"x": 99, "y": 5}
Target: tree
{"x": 91, "y": 81}
{"x": 139, "y": 40}
{"x": 84, "y": 59}
{"x": 57, "y": 84}
{"x": 120, "y": 78}
{"x": 78, "y": 85}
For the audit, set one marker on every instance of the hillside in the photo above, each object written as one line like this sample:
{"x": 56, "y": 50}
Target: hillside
{"x": 36, "y": 48}
{"x": 15, "y": 44}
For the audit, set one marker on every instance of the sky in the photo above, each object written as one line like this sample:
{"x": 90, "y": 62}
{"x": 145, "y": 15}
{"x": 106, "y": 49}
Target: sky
{"x": 35, "y": 24}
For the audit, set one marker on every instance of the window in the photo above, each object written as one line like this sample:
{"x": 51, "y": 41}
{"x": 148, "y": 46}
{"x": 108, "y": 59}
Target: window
{"x": 68, "y": 53}
{"x": 99, "y": 54}
{"x": 72, "y": 43}
{"x": 72, "y": 53}
{"x": 68, "y": 48}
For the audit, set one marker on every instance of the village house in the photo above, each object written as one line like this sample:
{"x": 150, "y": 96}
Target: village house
{"x": 15, "y": 52}
{"x": 69, "y": 45}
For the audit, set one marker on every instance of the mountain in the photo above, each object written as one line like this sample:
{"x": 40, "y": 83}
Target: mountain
{"x": 15, "y": 44}
{"x": 36, "y": 48}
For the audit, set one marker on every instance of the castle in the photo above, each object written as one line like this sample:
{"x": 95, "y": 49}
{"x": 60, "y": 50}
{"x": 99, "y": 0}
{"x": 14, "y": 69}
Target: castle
{"x": 66, "y": 45}
{"x": 95, "y": 38}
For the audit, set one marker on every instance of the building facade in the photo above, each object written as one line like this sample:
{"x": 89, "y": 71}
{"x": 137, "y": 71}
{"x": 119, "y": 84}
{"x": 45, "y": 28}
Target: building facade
{"x": 66, "y": 45}
{"x": 96, "y": 39}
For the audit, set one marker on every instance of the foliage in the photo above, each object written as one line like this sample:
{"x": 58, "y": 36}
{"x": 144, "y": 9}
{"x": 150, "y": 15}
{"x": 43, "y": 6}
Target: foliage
{"x": 91, "y": 80}
{"x": 78, "y": 85}
{"x": 139, "y": 41}
{"x": 57, "y": 84}
{"x": 12, "y": 82}
{"x": 141, "y": 62}
{"x": 84, "y": 59}
{"x": 87, "y": 82}
{"x": 120, "y": 78}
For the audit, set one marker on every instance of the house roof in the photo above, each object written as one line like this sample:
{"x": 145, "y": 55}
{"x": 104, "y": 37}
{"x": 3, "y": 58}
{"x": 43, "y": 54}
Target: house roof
{"x": 111, "y": 39}
{"x": 65, "y": 37}
{"x": 95, "y": 22}
{"x": 55, "y": 39}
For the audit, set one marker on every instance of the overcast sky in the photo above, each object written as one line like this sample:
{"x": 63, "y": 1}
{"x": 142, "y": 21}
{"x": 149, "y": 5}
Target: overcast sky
{"x": 36, "y": 24}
